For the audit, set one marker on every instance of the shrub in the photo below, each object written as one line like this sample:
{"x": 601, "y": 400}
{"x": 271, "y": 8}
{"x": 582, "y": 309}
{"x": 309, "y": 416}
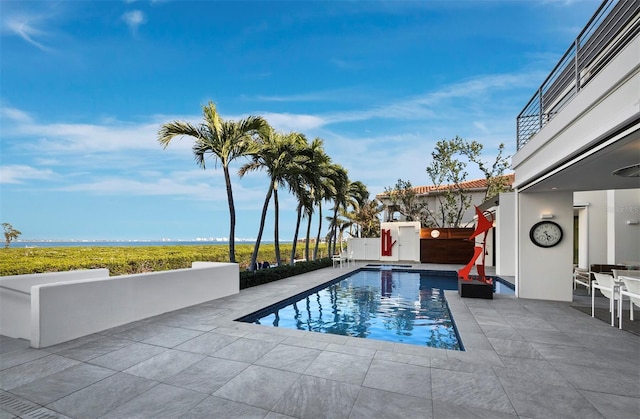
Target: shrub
{"x": 264, "y": 276}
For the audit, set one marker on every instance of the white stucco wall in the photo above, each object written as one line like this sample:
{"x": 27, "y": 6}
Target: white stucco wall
{"x": 15, "y": 297}
{"x": 595, "y": 204}
{"x": 506, "y": 235}
{"x": 407, "y": 238}
{"x": 623, "y": 209}
{"x": 364, "y": 248}
{"x": 609, "y": 239}
{"x": 545, "y": 273}
{"x": 67, "y": 310}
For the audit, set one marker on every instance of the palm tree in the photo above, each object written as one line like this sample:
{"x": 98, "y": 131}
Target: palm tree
{"x": 275, "y": 154}
{"x": 224, "y": 141}
{"x": 340, "y": 181}
{"x": 305, "y": 202}
{"x": 310, "y": 190}
{"x": 357, "y": 196}
{"x": 326, "y": 189}
{"x": 306, "y": 179}
{"x": 350, "y": 199}
{"x": 368, "y": 218}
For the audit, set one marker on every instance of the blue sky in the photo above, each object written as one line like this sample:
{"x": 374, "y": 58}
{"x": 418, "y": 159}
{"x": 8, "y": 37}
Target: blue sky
{"x": 86, "y": 85}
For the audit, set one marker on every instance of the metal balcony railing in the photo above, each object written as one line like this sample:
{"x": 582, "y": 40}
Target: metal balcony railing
{"x": 612, "y": 27}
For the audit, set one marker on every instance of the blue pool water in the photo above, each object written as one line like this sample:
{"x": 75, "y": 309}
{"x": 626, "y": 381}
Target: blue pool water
{"x": 501, "y": 286}
{"x": 389, "y": 305}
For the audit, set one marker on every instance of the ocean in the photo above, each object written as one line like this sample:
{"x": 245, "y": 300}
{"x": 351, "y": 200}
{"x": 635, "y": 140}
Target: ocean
{"x": 112, "y": 243}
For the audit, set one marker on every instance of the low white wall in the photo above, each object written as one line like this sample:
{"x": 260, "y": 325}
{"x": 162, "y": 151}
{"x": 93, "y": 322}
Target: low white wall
{"x": 364, "y": 248}
{"x": 68, "y": 310}
{"x": 15, "y": 297}
{"x": 67, "y": 305}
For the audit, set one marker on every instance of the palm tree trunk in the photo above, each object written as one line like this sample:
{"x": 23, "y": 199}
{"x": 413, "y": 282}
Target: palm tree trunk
{"x": 295, "y": 235}
{"x": 276, "y": 236}
{"x": 335, "y": 228}
{"x": 265, "y": 207}
{"x": 308, "y": 237}
{"x": 315, "y": 251}
{"x": 232, "y": 216}
{"x": 329, "y": 241}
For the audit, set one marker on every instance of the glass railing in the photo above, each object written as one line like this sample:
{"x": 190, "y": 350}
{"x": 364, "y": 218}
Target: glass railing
{"x": 612, "y": 27}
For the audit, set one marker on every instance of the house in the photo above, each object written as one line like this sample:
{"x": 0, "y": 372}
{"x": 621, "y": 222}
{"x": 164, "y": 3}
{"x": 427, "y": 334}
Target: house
{"x": 577, "y": 165}
{"x": 432, "y": 197}
{"x": 578, "y": 160}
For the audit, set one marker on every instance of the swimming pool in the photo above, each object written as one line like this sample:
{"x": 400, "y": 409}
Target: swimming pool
{"x": 383, "y": 304}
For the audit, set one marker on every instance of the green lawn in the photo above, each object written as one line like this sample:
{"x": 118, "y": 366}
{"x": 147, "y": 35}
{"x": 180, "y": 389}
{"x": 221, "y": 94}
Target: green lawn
{"x": 132, "y": 259}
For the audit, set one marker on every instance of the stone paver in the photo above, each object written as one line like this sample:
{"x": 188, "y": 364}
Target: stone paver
{"x": 522, "y": 359}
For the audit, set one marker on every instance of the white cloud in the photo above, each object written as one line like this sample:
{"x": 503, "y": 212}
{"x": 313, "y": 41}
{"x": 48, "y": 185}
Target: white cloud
{"x": 65, "y": 137}
{"x": 95, "y": 149}
{"x": 160, "y": 187}
{"x": 332, "y": 95}
{"x": 18, "y": 173}
{"x": 196, "y": 185}
{"x": 481, "y": 126}
{"x": 293, "y": 122}
{"x": 563, "y": 2}
{"x": 421, "y": 107}
{"x": 134, "y": 19}
{"x": 15, "y": 115}
{"x": 25, "y": 28}
{"x": 344, "y": 64}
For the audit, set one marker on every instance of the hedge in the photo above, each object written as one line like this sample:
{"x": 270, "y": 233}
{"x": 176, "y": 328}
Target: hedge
{"x": 264, "y": 276}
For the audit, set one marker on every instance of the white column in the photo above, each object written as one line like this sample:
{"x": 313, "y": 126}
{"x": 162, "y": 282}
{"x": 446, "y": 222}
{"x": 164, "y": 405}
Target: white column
{"x": 545, "y": 273}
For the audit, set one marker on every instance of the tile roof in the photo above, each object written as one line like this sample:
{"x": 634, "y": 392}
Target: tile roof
{"x": 468, "y": 185}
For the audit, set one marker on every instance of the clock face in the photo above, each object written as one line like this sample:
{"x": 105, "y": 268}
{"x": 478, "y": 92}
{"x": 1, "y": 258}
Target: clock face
{"x": 545, "y": 234}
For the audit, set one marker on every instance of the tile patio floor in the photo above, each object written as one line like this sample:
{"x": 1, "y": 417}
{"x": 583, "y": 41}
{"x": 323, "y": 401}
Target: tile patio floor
{"x": 524, "y": 359}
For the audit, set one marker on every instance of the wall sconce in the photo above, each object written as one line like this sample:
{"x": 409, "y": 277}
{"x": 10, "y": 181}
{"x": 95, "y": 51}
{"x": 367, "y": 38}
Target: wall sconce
{"x": 546, "y": 216}
{"x": 633, "y": 222}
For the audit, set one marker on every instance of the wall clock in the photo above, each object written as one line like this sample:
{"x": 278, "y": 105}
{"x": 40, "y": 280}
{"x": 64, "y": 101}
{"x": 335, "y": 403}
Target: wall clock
{"x": 545, "y": 234}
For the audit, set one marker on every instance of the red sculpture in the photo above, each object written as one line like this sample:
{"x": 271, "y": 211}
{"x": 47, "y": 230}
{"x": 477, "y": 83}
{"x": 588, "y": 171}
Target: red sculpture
{"x": 386, "y": 243}
{"x": 483, "y": 226}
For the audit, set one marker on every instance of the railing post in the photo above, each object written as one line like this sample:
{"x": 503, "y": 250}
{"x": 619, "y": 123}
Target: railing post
{"x": 517, "y": 133}
{"x": 577, "y": 69}
{"x": 541, "y": 108}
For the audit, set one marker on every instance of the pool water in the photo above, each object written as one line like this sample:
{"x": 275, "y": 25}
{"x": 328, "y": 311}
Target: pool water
{"x": 501, "y": 286}
{"x": 389, "y": 305}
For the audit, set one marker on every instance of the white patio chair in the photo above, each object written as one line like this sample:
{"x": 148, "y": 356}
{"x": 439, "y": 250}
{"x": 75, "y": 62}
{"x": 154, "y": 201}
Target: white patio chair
{"x": 629, "y": 272}
{"x": 582, "y": 277}
{"x": 630, "y": 289}
{"x": 608, "y": 288}
{"x": 338, "y": 259}
{"x": 350, "y": 258}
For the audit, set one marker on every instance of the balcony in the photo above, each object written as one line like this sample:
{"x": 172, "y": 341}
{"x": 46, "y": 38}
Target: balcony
{"x": 614, "y": 25}
{"x": 583, "y": 123}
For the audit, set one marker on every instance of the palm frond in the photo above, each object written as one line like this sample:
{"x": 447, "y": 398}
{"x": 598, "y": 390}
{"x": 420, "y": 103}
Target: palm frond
{"x": 177, "y": 128}
{"x": 212, "y": 118}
